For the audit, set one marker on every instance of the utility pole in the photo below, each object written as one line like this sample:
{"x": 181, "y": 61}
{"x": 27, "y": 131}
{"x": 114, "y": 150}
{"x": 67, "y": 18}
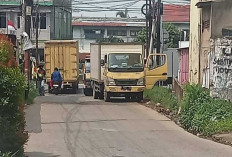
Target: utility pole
{"x": 147, "y": 36}
{"x": 158, "y": 25}
{"x": 37, "y": 31}
{"x": 27, "y": 7}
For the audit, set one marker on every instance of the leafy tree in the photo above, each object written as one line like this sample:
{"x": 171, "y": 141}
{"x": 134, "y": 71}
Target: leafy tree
{"x": 174, "y": 35}
{"x": 111, "y": 39}
{"x": 141, "y": 36}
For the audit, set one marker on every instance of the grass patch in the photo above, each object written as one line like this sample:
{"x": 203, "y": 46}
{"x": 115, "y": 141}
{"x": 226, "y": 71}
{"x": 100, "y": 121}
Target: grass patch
{"x": 200, "y": 114}
{"x": 164, "y": 96}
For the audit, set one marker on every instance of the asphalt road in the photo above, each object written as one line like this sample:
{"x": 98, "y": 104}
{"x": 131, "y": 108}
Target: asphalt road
{"x": 78, "y": 126}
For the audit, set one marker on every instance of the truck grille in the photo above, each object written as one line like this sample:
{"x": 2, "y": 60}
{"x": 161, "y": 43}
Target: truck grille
{"x": 126, "y": 82}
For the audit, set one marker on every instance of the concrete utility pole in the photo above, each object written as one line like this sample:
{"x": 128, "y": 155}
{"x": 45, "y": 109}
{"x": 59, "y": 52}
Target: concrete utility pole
{"x": 27, "y": 10}
{"x": 37, "y": 30}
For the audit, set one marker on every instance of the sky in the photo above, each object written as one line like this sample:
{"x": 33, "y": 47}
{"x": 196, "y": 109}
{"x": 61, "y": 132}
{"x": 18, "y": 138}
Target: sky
{"x": 109, "y": 8}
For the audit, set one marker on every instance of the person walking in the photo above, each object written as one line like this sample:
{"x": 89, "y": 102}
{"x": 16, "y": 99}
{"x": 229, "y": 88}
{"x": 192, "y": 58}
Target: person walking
{"x": 41, "y": 73}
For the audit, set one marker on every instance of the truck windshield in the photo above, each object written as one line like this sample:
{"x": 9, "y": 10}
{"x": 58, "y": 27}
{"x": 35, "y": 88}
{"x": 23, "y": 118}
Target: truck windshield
{"x": 87, "y": 67}
{"x": 128, "y": 62}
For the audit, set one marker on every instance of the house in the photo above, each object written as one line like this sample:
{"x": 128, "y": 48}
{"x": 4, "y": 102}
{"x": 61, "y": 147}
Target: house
{"x": 211, "y": 46}
{"x": 88, "y": 29}
{"x": 55, "y": 18}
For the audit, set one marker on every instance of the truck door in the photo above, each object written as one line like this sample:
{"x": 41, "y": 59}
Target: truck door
{"x": 156, "y": 69}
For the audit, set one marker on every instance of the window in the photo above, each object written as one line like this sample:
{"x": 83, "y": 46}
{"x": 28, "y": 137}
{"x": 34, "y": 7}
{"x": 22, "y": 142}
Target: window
{"x": 116, "y": 33}
{"x": 18, "y": 20}
{"x": 134, "y": 32}
{"x": 42, "y": 21}
{"x": 2, "y": 20}
{"x": 185, "y": 35}
{"x": 94, "y": 34}
{"x": 226, "y": 32}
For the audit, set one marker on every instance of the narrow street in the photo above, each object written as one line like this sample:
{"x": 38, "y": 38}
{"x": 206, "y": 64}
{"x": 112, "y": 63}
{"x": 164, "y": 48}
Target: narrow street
{"x": 78, "y": 126}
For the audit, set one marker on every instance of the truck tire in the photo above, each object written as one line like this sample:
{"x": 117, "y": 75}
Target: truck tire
{"x": 140, "y": 97}
{"x": 88, "y": 92}
{"x": 95, "y": 94}
{"x": 107, "y": 96}
{"x": 74, "y": 88}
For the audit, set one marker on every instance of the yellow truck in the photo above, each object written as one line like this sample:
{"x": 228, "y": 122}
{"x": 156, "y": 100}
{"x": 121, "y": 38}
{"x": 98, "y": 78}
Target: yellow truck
{"x": 64, "y": 55}
{"x": 119, "y": 70}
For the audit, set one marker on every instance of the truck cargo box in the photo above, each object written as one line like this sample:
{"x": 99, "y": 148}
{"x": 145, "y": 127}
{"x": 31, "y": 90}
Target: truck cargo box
{"x": 99, "y": 50}
{"x": 63, "y": 54}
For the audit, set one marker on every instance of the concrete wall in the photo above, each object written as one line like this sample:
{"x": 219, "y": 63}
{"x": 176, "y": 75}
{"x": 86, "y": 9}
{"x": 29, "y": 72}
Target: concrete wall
{"x": 194, "y": 47}
{"x": 222, "y": 10}
{"x": 221, "y": 68}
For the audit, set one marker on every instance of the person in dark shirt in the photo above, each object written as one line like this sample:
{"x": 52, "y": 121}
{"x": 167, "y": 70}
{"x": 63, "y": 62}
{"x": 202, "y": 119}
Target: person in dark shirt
{"x": 56, "y": 77}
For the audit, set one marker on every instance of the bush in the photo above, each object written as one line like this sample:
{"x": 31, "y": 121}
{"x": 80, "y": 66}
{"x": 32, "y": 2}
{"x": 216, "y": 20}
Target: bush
{"x": 12, "y": 135}
{"x": 200, "y": 114}
{"x": 5, "y": 154}
{"x": 204, "y": 114}
{"x": 164, "y": 96}
{"x": 12, "y": 85}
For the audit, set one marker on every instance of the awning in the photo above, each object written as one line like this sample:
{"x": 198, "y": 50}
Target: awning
{"x": 203, "y": 4}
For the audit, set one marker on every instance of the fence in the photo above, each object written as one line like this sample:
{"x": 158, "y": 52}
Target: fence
{"x": 177, "y": 89}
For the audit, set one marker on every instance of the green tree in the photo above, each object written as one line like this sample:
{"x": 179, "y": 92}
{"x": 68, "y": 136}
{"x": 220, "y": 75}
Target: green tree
{"x": 141, "y": 37}
{"x": 111, "y": 39}
{"x": 174, "y": 35}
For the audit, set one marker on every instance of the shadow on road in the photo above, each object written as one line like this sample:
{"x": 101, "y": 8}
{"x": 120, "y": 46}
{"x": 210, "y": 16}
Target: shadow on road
{"x": 40, "y": 154}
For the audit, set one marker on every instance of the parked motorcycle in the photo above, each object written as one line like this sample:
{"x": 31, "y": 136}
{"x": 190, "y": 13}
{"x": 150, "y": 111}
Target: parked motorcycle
{"x": 56, "y": 88}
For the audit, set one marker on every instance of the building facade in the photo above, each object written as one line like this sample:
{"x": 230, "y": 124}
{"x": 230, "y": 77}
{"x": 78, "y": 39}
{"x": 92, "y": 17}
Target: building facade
{"x": 55, "y": 18}
{"x": 211, "y": 46}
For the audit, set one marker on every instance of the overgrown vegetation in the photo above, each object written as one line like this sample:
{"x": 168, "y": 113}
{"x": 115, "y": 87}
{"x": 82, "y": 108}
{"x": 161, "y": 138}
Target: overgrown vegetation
{"x": 163, "y": 96}
{"x": 12, "y": 85}
{"x": 200, "y": 113}
{"x": 174, "y": 35}
{"x": 5, "y": 154}
{"x": 203, "y": 114}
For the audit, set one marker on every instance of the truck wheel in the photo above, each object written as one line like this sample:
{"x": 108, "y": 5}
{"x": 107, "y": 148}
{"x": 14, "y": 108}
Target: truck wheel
{"x": 107, "y": 96}
{"x": 74, "y": 88}
{"x": 95, "y": 94}
{"x": 85, "y": 92}
{"x": 140, "y": 97}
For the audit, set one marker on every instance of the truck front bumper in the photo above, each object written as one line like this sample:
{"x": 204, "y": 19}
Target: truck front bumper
{"x": 124, "y": 89}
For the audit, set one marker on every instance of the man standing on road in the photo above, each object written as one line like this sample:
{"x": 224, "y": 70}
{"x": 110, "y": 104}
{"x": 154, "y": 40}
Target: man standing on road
{"x": 41, "y": 73}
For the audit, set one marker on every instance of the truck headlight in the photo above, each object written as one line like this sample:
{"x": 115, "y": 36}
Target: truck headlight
{"x": 141, "y": 82}
{"x": 110, "y": 81}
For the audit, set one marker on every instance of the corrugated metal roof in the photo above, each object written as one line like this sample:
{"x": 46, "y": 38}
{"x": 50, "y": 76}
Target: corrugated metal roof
{"x": 176, "y": 13}
{"x": 98, "y": 24}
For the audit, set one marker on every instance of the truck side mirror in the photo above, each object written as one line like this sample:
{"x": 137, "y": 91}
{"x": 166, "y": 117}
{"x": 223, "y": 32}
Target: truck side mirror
{"x": 102, "y": 62}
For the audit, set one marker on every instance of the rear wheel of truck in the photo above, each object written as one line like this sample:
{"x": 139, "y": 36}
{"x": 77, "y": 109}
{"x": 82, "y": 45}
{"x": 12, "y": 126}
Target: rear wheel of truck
{"x": 140, "y": 97}
{"x": 74, "y": 88}
{"x": 88, "y": 92}
{"x": 107, "y": 96}
{"x": 95, "y": 94}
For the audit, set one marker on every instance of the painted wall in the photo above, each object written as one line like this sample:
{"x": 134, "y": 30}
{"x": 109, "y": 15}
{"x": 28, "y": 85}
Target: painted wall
{"x": 222, "y": 10}
{"x": 184, "y": 66}
{"x": 221, "y": 68}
